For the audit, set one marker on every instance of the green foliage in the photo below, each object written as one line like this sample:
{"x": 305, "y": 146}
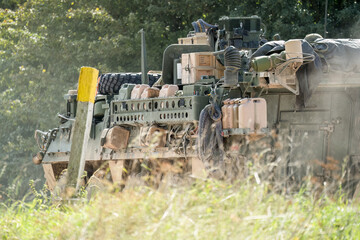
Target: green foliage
{"x": 207, "y": 209}
{"x": 10, "y": 4}
{"x": 46, "y": 43}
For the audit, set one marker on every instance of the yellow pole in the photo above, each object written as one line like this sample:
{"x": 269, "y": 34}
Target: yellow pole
{"x": 81, "y": 128}
{"x": 87, "y": 84}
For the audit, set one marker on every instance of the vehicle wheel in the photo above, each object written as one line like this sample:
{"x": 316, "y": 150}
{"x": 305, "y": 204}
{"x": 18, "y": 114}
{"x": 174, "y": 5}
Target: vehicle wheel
{"x": 98, "y": 182}
{"x": 59, "y": 193}
{"x": 110, "y": 83}
{"x": 59, "y": 189}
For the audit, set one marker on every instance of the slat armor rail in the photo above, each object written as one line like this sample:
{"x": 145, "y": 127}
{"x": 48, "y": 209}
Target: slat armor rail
{"x": 160, "y": 110}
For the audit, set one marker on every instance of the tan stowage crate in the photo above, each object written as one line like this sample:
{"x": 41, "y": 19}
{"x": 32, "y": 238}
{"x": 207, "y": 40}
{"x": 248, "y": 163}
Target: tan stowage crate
{"x": 198, "y": 59}
{"x": 219, "y": 71}
{"x": 194, "y": 74}
{"x": 195, "y": 65}
{"x": 197, "y": 39}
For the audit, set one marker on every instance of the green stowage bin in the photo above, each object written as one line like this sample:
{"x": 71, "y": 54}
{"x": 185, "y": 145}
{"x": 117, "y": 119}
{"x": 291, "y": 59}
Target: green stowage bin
{"x": 197, "y": 90}
{"x": 125, "y": 91}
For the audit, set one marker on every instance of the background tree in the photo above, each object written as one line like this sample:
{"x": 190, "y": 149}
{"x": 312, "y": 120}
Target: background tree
{"x": 44, "y": 44}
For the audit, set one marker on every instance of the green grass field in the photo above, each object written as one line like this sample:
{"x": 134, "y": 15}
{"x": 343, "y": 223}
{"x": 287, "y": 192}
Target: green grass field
{"x": 203, "y": 210}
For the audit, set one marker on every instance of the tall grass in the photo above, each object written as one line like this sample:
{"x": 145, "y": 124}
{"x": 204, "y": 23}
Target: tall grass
{"x": 206, "y": 209}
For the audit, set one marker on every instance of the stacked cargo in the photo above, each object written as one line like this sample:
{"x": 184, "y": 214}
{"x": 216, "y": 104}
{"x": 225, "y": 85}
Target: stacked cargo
{"x": 196, "y": 65}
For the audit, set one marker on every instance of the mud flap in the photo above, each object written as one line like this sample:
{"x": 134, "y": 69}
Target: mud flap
{"x": 116, "y": 169}
{"x": 49, "y": 176}
{"x": 198, "y": 168}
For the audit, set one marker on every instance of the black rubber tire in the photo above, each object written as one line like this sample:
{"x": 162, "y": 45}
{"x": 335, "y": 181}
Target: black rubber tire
{"x": 110, "y": 83}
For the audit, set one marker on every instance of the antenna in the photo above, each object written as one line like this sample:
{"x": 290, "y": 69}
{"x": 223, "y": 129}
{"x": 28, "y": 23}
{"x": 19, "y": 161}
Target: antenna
{"x": 144, "y": 77}
{"x": 325, "y": 22}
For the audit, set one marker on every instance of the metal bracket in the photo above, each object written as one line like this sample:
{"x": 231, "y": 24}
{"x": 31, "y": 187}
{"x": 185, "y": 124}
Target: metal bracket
{"x": 286, "y": 71}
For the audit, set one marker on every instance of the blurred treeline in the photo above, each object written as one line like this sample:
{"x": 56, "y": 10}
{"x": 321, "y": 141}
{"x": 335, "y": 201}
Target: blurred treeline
{"x": 43, "y": 44}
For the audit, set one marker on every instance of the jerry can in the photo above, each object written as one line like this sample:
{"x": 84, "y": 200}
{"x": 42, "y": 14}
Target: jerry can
{"x": 168, "y": 90}
{"x": 138, "y": 90}
{"x": 230, "y": 114}
{"x": 260, "y": 113}
{"x": 252, "y": 114}
{"x": 246, "y": 114}
{"x": 225, "y": 115}
{"x": 235, "y": 109}
{"x": 151, "y": 92}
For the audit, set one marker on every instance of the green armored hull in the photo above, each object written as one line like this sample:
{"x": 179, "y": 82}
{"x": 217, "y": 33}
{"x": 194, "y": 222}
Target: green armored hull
{"x": 279, "y": 107}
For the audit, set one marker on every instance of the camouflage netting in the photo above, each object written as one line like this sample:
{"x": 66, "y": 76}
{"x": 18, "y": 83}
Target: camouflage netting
{"x": 210, "y": 141}
{"x": 340, "y": 55}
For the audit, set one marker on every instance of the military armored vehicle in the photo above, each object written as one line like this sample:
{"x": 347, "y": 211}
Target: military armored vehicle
{"x": 226, "y": 100}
